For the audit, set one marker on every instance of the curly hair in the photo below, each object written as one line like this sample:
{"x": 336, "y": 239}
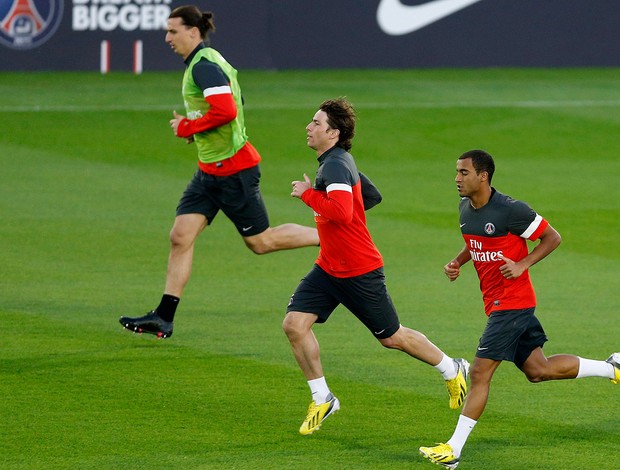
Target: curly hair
{"x": 341, "y": 116}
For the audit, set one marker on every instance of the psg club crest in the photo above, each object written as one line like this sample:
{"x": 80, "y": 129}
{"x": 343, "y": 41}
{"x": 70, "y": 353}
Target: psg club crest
{"x": 26, "y": 24}
{"x": 489, "y": 228}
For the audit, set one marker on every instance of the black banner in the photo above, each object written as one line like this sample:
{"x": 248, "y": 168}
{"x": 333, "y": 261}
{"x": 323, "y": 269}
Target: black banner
{"x": 286, "y": 34}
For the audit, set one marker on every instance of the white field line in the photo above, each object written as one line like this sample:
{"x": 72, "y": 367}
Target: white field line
{"x": 302, "y": 106}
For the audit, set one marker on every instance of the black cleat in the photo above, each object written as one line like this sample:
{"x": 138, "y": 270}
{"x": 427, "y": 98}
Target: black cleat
{"x": 150, "y": 323}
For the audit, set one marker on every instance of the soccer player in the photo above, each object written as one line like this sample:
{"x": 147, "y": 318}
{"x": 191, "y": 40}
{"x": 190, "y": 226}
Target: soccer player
{"x": 495, "y": 228}
{"x": 228, "y": 172}
{"x": 349, "y": 268}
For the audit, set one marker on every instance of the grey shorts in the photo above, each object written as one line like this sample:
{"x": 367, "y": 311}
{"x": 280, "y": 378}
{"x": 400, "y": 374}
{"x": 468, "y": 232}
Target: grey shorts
{"x": 511, "y": 335}
{"x": 366, "y": 296}
{"x": 238, "y": 196}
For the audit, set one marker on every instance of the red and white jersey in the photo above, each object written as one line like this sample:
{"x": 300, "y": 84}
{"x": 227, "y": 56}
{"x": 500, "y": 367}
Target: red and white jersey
{"x": 501, "y": 228}
{"x": 347, "y": 249}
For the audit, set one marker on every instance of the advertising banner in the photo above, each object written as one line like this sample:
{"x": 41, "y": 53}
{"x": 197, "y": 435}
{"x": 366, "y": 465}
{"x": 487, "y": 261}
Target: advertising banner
{"x": 127, "y": 35}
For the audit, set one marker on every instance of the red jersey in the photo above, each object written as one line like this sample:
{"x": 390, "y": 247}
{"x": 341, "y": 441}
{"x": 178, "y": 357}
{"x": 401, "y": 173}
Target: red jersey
{"x": 347, "y": 249}
{"x": 501, "y": 228}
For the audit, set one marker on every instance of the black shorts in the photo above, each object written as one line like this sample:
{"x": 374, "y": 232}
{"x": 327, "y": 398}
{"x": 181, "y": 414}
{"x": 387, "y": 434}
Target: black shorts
{"x": 366, "y": 296}
{"x": 238, "y": 196}
{"x": 511, "y": 335}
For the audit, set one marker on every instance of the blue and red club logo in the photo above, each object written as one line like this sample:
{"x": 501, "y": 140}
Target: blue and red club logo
{"x": 489, "y": 228}
{"x": 26, "y": 24}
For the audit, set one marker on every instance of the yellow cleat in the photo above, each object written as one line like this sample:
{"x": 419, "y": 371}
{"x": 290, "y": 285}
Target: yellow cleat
{"x": 457, "y": 387}
{"x": 317, "y": 414}
{"x": 614, "y": 360}
{"x": 441, "y": 454}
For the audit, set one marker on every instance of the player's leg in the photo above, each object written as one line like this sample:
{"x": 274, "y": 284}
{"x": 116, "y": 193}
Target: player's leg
{"x": 283, "y": 237}
{"x": 498, "y": 342}
{"x": 195, "y": 209}
{"x": 240, "y": 198}
{"x": 538, "y": 368}
{"x": 305, "y": 347}
{"x": 417, "y": 345}
{"x": 312, "y": 294}
{"x": 298, "y": 329}
{"x": 480, "y": 375}
{"x": 183, "y": 235}
{"x": 366, "y": 296}
{"x": 530, "y": 358}
{"x": 448, "y": 454}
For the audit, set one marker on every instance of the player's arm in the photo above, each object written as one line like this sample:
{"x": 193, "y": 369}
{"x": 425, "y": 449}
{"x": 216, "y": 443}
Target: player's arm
{"x": 217, "y": 92}
{"x": 336, "y": 204}
{"x": 453, "y": 268}
{"x": 370, "y": 194}
{"x": 222, "y": 110}
{"x": 336, "y": 201}
{"x": 549, "y": 240}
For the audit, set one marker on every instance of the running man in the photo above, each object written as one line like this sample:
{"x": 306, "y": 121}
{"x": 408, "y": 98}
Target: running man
{"x": 228, "y": 173}
{"x": 495, "y": 228}
{"x": 349, "y": 268}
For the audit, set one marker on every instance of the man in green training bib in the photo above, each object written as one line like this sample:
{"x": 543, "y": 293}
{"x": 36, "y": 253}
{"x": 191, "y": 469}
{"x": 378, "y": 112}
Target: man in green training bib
{"x": 228, "y": 174}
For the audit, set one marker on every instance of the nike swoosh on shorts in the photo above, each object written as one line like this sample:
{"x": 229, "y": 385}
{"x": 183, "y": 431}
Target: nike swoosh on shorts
{"x": 397, "y": 19}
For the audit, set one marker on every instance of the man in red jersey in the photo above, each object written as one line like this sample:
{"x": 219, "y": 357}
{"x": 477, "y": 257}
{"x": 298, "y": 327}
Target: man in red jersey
{"x": 349, "y": 268}
{"x": 495, "y": 228}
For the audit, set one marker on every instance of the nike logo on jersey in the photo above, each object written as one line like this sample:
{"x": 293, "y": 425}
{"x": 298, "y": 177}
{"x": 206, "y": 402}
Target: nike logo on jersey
{"x": 462, "y": 225}
{"x": 397, "y": 19}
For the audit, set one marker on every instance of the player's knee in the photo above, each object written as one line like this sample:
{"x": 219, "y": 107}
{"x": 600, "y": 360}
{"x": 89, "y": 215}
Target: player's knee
{"x": 388, "y": 343}
{"x": 259, "y": 249}
{"x": 177, "y": 237}
{"x": 536, "y": 379}
{"x": 290, "y": 326}
{"x": 397, "y": 341}
{"x": 297, "y": 325}
{"x": 479, "y": 375}
{"x": 258, "y": 244}
{"x": 536, "y": 376}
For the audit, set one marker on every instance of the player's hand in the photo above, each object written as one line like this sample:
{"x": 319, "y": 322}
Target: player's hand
{"x": 300, "y": 187}
{"x": 452, "y": 270}
{"x": 510, "y": 270}
{"x": 174, "y": 123}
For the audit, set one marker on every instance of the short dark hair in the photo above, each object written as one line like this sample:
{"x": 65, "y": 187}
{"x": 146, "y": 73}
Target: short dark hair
{"x": 481, "y": 161}
{"x": 341, "y": 116}
{"x": 191, "y": 16}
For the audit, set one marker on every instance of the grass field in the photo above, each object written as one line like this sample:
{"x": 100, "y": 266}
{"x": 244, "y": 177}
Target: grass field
{"x": 91, "y": 175}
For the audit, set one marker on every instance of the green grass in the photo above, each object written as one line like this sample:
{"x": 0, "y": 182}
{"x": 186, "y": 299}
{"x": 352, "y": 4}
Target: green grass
{"x": 90, "y": 178}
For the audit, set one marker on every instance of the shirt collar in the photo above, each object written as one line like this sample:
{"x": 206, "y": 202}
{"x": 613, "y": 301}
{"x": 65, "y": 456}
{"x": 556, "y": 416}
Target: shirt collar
{"x": 190, "y": 57}
{"x": 324, "y": 155}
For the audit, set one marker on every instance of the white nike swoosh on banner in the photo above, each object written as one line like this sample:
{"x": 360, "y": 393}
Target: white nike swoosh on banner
{"x": 397, "y": 19}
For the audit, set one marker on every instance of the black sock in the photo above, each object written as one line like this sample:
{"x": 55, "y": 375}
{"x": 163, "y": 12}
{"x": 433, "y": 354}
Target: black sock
{"x": 168, "y": 307}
